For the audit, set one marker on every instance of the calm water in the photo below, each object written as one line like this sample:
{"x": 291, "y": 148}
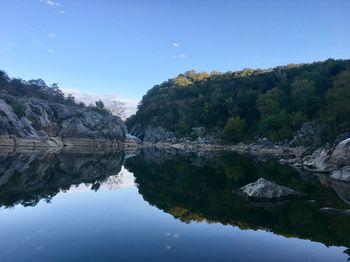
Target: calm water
{"x": 162, "y": 206}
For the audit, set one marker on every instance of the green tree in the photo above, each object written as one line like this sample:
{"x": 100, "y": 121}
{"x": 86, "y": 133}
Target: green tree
{"x": 270, "y": 102}
{"x": 338, "y": 99}
{"x": 235, "y": 127}
{"x": 304, "y": 97}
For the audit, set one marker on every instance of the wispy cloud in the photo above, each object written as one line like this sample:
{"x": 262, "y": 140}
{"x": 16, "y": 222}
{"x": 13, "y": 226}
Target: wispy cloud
{"x": 10, "y": 43}
{"x": 54, "y": 4}
{"x": 183, "y": 56}
{"x": 36, "y": 42}
{"x": 51, "y": 35}
{"x": 176, "y": 45}
{"x": 51, "y": 51}
{"x": 174, "y": 56}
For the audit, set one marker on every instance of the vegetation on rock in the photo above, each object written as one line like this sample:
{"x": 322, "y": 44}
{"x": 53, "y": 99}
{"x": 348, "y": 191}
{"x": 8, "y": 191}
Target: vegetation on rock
{"x": 243, "y": 105}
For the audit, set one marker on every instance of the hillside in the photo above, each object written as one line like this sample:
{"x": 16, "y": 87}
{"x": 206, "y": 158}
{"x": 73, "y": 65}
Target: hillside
{"x": 250, "y": 104}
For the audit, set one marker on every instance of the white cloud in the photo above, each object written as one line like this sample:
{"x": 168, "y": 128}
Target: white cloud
{"x": 117, "y": 105}
{"x": 51, "y": 35}
{"x": 174, "y": 56}
{"x": 10, "y": 43}
{"x": 52, "y": 3}
{"x": 36, "y": 42}
{"x": 51, "y": 51}
{"x": 183, "y": 56}
{"x": 176, "y": 45}
{"x": 62, "y": 12}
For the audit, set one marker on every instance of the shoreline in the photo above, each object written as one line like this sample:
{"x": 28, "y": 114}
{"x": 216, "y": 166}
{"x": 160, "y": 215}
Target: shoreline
{"x": 324, "y": 159}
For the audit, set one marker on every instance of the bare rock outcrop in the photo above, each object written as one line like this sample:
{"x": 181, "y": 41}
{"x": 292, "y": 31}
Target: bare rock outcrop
{"x": 45, "y": 123}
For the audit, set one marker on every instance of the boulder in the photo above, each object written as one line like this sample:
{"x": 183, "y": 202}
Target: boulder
{"x": 318, "y": 161}
{"x": 266, "y": 190}
{"x": 342, "y": 174}
{"x": 341, "y": 153}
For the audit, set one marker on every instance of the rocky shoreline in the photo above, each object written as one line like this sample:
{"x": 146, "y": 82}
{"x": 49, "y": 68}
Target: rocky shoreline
{"x": 48, "y": 142}
{"x": 330, "y": 159}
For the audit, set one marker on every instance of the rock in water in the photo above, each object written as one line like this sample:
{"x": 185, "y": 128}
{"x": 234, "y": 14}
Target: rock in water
{"x": 264, "y": 190}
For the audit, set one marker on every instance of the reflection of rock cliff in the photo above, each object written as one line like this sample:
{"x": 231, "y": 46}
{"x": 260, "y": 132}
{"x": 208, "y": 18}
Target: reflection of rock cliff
{"x": 26, "y": 178}
{"x": 194, "y": 188}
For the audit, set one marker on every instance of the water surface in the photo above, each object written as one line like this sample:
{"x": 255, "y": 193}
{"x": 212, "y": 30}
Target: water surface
{"x": 157, "y": 206}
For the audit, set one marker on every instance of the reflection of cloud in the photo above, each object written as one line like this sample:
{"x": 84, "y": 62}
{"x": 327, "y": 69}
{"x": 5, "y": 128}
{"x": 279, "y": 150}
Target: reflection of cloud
{"x": 123, "y": 179}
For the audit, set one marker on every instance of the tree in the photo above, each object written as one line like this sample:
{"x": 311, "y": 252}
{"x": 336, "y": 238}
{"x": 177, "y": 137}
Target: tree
{"x": 270, "y": 102}
{"x": 70, "y": 99}
{"x": 338, "y": 99}
{"x": 100, "y": 105}
{"x": 304, "y": 97}
{"x": 235, "y": 127}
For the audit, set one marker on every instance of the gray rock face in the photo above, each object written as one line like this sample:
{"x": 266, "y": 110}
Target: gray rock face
{"x": 318, "y": 161}
{"x": 266, "y": 190}
{"x": 157, "y": 134}
{"x": 307, "y": 135}
{"x": 341, "y": 154}
{"x": 342, "y": 174}
{"x": 44, "y": 119}
{"x": 11, "y": 125}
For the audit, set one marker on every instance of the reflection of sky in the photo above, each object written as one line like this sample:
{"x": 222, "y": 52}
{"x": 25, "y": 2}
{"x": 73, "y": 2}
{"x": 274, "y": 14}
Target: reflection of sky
{"x": 118, "y": 225}
{"x": 123, "y": 179}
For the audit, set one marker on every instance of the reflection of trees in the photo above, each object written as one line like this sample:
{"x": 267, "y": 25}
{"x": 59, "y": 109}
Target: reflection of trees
{"x": 195, "y": 189}
{"x": 26, "y": 178}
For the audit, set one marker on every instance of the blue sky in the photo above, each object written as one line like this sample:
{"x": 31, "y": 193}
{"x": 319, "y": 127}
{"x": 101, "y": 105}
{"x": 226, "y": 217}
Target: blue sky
{"x": 126, "y": 47}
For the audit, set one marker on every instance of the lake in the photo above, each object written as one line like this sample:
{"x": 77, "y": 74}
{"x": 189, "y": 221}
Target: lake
{"x": 156, "y": 205}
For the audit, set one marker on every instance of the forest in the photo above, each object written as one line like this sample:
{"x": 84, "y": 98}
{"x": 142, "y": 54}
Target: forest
{"x": 243, "y": 105}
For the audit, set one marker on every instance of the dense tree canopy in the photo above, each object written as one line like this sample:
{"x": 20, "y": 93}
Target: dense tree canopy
{"x": 273, "y": 103}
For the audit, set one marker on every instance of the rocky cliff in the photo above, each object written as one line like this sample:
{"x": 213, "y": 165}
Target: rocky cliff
{"x": 35, "y": 122}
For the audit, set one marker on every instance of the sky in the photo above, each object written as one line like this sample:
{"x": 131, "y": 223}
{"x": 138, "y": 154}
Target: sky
{"x": 126, "y": 47}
